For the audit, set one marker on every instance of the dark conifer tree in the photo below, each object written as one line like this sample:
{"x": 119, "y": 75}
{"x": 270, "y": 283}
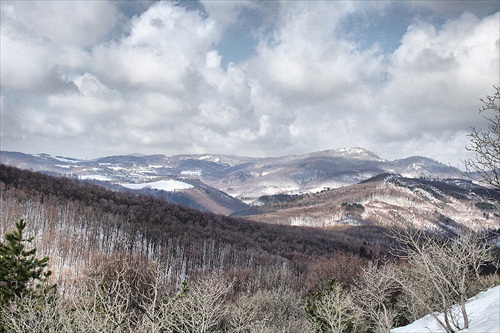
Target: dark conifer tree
{"x": 21, "y": 272}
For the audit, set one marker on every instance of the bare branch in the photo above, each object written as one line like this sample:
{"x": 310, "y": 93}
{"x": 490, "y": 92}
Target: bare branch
{"x": 486, "y": 144}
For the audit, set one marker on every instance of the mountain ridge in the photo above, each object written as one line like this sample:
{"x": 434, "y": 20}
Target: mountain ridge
{"x": 389, "y": 200}
{"x": 227, "y": 184}
{"x": 343, "y": 157}
{"x": 360, "y": 188}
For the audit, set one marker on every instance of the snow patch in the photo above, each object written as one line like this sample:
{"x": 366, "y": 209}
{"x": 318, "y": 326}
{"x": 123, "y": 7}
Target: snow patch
{"x": 483, "y": 311}
{"x": 62, "y": 166}
{"x": 164, "y": 185}
{"x": 210, "y": 158}
{"x": 196, "y": 173}
{"x": 95, "y": 177}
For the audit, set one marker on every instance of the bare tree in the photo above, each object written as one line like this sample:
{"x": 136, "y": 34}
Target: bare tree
{"x": 333, "y": 310}
{"x": 29, "y": 314}
{"x": 440, "y": 273}
{"x": 486, "y": 143}
{"x": 203, "y": 307}
{"x": 247, "y": 315}
{"x": 274, "y": 309}
{"x": 376, "y": 293}
{"x": 105, "y": 303}
{"x": 155, "y": 304}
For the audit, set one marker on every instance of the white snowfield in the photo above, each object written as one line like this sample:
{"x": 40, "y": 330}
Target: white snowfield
{"x": 483, "y": 311}
{"x": 96, "y": 177}
{"x": 165, "y": 185}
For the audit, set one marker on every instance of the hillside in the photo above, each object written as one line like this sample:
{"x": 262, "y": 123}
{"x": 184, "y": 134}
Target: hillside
{"x": 238, "y": 179}
{"x": 317, "y": 189}
{"x": 106, "y": 245}
{"x": 388, "y": 200}
{"x": 71, "y": 218}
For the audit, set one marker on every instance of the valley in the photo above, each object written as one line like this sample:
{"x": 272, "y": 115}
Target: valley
{"x": 316, "y": 189}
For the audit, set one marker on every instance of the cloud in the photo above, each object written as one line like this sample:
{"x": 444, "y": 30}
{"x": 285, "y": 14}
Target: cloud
{"x": 437, "y": 75}
{"x": 306, "y": 89}
{"x": 166, "y": 43}
{"x": 41, "y": 41}
{"x": 322, "y": 90}
{"x": 425, "y": 93}
{"x": 175, "y": 91}
{"x": 95, "y": 76}
{"x": 450, "y": 8}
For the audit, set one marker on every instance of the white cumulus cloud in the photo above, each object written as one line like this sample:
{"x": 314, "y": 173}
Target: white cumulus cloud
{"x": 90, "y": 78}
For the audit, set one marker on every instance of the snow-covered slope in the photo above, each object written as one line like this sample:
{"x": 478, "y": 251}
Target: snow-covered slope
{"x": 388, "y": 200}
{"x": 241, "y": 177}
{"x": 163, "y": 185}
{"x": 245, "y": 179}
{"x": 483, "y": 311}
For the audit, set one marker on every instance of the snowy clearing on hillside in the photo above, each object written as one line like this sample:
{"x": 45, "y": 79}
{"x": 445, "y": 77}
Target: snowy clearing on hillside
{"x": 62, "y": 166}
{"x": 95, "y": 177}
{"x": 66, "y": 159}
{"x": 164, "y": 185}
{"x": 483, "y": 311}
{"x": 196, "y": 173}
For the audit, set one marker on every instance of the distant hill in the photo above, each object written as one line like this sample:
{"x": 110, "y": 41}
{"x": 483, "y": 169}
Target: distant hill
{"x": 226, "y": 184}
{"x": 388, "y": 200}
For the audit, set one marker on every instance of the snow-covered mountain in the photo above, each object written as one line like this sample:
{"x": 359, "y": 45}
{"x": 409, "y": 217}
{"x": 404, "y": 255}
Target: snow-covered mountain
{"x": 240, "y": 177}
{"x": 158, "y": 175}
{"x": 226, "y": 184}
{"x": 388, "y": 200}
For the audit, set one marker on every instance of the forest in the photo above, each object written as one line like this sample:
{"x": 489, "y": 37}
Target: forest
{"x": 123, "y": 262}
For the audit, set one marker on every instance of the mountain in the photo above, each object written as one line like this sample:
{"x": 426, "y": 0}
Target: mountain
{"x": 191, "y": 193}
{"x": 243, "y": 179}
{"x": 388, "y": 200}
{"x": 151, "y": 174}
{"x": 312, "y": 173}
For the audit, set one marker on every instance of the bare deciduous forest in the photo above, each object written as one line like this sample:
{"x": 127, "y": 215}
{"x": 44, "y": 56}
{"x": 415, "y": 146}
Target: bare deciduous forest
{"x": 124, "y": 262}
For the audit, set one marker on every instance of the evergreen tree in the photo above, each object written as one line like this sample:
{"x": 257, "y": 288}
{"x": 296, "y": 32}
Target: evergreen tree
{"x": 21, "y": 272}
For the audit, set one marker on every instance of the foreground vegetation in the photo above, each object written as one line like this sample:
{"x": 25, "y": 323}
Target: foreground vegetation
{"x": 133, "y": 294}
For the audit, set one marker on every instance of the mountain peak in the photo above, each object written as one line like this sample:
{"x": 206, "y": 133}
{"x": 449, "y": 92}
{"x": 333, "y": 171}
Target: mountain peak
{"x": 356, "y": 151}
{"x": 349, "y": 152}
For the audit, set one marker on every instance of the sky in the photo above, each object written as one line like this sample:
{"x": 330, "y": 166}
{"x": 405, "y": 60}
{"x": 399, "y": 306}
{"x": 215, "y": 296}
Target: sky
{"x": 88, "y": 79}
